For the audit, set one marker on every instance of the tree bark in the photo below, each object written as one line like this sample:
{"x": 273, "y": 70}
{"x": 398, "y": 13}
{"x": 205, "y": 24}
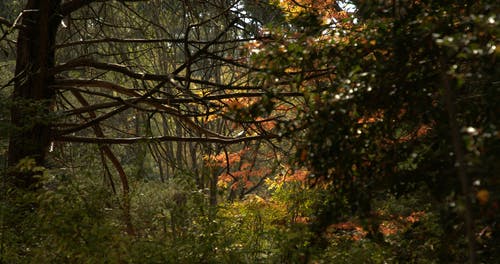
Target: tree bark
{"x": 32, "y": 96}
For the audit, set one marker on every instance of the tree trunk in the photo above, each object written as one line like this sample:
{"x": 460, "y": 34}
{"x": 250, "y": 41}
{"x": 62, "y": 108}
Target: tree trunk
{"x": 32, "y": 96}
{"x": 460, "y": 166}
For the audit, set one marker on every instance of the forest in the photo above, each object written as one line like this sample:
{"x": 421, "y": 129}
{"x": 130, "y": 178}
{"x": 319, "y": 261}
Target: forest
{"x": 249, "y": 131}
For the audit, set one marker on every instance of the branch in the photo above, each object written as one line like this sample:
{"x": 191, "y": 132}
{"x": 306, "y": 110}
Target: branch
{"x": 120, "y": 68}
{"x": 140, "y": 76}
{"x": 106, "y": 150}
{"x": 125, "y": 104}
{"x": 110, "y": 114}
{"x": 4, "y": 21}
{"x": 204, "y": 48}
{"x": 70, "y": 7}
{"x": 95, "y": 83}
{"x": 133, "y": 140}
{"x": 109, "y": 67}
{"x": 12, "y": 26}
{"x": 169, "y": 40}
{"x": 163, "y": 104}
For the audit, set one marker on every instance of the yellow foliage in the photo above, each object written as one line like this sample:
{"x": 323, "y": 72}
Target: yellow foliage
{"x": 483, "y": 196}
{"x": 324, "y": 8}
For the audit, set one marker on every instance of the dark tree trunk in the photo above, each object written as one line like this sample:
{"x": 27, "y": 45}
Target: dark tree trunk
{"x": 33, "y": 97}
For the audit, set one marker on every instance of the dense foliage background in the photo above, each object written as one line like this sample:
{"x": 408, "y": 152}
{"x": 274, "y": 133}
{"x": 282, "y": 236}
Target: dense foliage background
{"x": 231, "y": 131}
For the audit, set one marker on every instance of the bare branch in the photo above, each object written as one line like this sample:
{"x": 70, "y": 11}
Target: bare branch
{"x": 109, "y": 67}
{"x": 160, "y": 40}
{"x": 112, "y": 113}
{"x": 133, "y": 140}
{"x": 95, "y": 83}
{"x": 140, "y": 76}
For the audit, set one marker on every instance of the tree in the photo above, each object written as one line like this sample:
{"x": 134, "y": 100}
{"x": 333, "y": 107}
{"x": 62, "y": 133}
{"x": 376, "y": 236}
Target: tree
{"x": 34, "y": 58}
{"x": 56, "y": 70}
{"x": 405, "y": 86}
{"x": 85, "y": 70}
